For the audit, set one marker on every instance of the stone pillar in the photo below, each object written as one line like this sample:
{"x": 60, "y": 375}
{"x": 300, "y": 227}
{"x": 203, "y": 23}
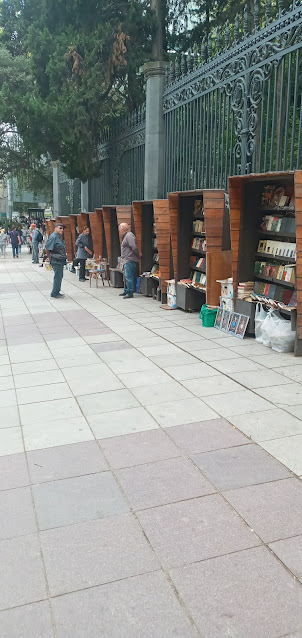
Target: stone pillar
{"x": 154, "y": 142}
{"x": 56, "y": 187}
{"x": 84, "y": 197}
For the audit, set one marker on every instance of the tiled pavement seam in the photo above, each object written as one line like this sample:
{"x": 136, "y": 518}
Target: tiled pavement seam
{"x": 189, "y": 502}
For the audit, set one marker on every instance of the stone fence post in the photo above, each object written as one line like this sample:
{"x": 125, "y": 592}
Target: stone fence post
{"x": 154, "y": 73}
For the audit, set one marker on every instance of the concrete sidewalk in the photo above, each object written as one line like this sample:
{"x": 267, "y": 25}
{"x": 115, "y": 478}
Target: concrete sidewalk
{"x": 149, "y": 470}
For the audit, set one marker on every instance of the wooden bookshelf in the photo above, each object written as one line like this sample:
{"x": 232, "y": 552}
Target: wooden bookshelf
{"x": 74, "y": 233}
{"x": 113, "y": 244}
{"x": 163, "y": 236}
{"x": 183, "y": 212}
{"x": 67, "y": 236}
{"x": 246, "y": 215}
{"x": 144, "y": 227}
{"x": 98, "y": 233}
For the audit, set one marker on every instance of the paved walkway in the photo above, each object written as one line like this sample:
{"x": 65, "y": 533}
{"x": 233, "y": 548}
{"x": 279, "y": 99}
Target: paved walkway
{"x": 134, "y": 501}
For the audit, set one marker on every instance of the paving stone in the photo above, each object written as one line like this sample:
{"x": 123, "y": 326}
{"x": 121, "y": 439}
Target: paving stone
{"x": 290, "y": 553}
{"x": 47, "y": 377}
{"x": 219, "y": 384}
{"x": 5, "y": 371}
{"x": 288, "y": 451}
{"x": 29, "y": 352}
{"x": 194, "y": 371}
{"x": 114, "y": 345}
{"x": 139, "y": 606}
{"x": 42, "y": 393}
{"x": 28, "y": 367}
{"x": 10, "y": 441}
{"x": 58, "y": 432}
{"x": 47, "y": 411}
{"x": 138, "y": 448}
{"x": 13, "y": 472}
{"x": 7, "y": 398}
{"x": 109, "y": 401}
{"x": 90, "y": 379}
{"x": 239, "y": 466}
{"x": 283, "y": 395}
{"x": 244, "y": 594}
{"x": 20, "y": 560}
{"x": 146, "y": 378}
{"x": 194, "y": 530}
{"x": 181, "y": 412}
{"x": 106, "y": 550}
{"x": 273, "y": 510}
{"x": 168, "y": 360}
{"x": 16, "y": 513}
{"x": 32, "y": 620}
{"x": 240, "y": 402}
{"x": 165, "y": 391}
{"x": 270, "y": 424}
{"x": 262, "y": 379}
{"x": 206, "y": 436}
{"x": 121, "y": 422}
{"x": 163, "y": 482}
{"x": 65, "y": 461}
{"x": 78, "y": 499}
{"x": 128, "y": 367}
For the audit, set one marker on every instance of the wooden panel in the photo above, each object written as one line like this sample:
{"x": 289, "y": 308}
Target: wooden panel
{"x": 235, "y": 195}
{"x": 213, "y": 204}
{"x": 124, "y": 216}
{"x": 50, "y": 226}
{"x": 73, "y": 222}
{"x": 219, "y": 266}
{"x": 173, "y": 199}
{"x": 298, "y": 210}
{"x": 82, "y": 221}
{"x": 137, "y": 218}
{"x": 106, "y": 219}
{"x": 162, "y": 225}
{"x": 96, "y": 227}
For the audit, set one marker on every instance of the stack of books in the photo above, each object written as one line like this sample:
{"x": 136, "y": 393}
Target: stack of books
{"x": 273, "y": 291}
{"x": 277, "y": 248}
{"x": 245, "y": 289}
{"x": 199, "y": 244}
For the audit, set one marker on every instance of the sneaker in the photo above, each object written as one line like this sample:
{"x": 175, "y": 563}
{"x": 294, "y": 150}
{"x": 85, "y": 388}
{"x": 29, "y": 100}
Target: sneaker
{"x": 128, "y": 296}
{"x": 122, "y": 294}
{"x": 57, "y": 296}
{"x": 82, "y": 279}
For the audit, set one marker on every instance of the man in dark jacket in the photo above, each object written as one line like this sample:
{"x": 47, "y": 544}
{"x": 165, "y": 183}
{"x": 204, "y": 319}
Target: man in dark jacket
{"x": 130, "y": 259}
{"x": 83, "y": 251}
{"x": 56, "y": 251}
{"x": 14, "y": 240}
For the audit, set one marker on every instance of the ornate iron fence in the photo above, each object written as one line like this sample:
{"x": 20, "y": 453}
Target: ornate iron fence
{"x": 236, "y": 107}
{"x": 70, "y": 194}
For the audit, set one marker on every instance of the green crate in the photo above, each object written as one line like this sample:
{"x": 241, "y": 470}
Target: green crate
{"x": 208, "y": 316}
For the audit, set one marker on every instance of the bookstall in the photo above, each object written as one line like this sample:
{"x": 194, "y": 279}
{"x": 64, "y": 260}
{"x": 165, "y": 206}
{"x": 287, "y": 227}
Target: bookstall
{"x": 162, "y": 244}
{"x": 200, "y": 242}
{"x": 113, "y": 245}
{"x": 74, "y": 232}
{"x": 145, "y": 231}
{"x": 98, "y": 234}
{"x": 266, "y": 234}
{"x": 83, "y": 220}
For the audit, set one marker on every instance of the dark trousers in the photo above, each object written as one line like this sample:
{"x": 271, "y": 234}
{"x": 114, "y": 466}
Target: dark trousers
{"x": 57, "y": 279}
{"x": 82, "y": 262}
{"x": 129, "y": 274}
{"x": 15, "y": 250}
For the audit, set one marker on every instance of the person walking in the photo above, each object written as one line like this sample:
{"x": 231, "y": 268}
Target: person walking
{"x": 56, "y": 254}
{"x": 37, "y": 238}
{"x": 83, "y": 251}
{"x": 14, "y": 240}
{"x": 130, "y": 259}
{"x": 3, "y": 242}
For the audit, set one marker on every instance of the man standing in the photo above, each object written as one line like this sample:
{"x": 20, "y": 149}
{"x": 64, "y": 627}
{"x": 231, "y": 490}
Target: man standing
{"x": 130, "y": 259}
{"x": 37, "y": 238}
{"x": 56, "y": 253}
{"x": 83, "y": 251}
{"x": 14, "y": 240}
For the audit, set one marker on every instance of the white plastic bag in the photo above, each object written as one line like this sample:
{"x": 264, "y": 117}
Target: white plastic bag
{"x": 282, "y": 337}
{"x": 267, "y": 328}
{"x": 260, "y": 316}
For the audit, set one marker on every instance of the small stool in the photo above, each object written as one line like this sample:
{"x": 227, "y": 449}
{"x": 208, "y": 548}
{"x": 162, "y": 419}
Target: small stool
{"x": 95, "y": 274}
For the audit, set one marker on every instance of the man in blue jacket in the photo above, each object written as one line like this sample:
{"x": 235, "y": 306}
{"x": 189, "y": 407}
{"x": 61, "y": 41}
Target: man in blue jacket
{"x": 83, "y": 251}
{"x": 56, "y": 253}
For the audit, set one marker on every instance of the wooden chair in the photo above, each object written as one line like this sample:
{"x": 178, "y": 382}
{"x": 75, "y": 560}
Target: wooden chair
{"x": 98, "y": 271}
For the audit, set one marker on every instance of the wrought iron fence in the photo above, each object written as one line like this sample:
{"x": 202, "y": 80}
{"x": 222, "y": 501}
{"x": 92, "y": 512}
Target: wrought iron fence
{"x": 233, "y": 106}
{"x": 236, "y": 106}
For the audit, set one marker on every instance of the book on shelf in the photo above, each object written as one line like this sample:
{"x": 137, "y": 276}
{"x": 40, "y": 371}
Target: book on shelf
{"x": 277, "y": 196}
{"x": 245, "y": 288}
{"x": 199, "y": 278}
{"x": 273, "y": 291}
{"x": 186, "y": 282}
{"x": 198, "y": 262}
{"x": 155, "y": 272}
{"x": 277, "y": 248}
{"x": 198, "y": 226}
{"x": 199, "y": 244}
{"x": 283, "y": 273}
{"x": 198, "y": 207}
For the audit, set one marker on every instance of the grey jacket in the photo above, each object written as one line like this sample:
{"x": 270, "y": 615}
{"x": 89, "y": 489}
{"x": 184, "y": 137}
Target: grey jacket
{"x": 81, "y": 242}
{"x": 129, "y": 249}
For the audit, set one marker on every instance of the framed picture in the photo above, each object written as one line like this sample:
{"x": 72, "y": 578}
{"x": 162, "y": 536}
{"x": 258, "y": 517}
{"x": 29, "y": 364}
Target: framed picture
{"x": 225, "y": 320}
{"x": 218, "y": 320}
{"x": 242, "y": 326}
{"x": 233, "y": 323}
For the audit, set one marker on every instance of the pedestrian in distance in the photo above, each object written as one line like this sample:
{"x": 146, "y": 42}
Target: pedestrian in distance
{"x": 83, "y": 251}
{"x": 3, "y": 242}
{"x": 15, "y": 241}
{"x": 56, "y": 252}
{"x": 130, "y": 259}
{"x": 37, "y": 239}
